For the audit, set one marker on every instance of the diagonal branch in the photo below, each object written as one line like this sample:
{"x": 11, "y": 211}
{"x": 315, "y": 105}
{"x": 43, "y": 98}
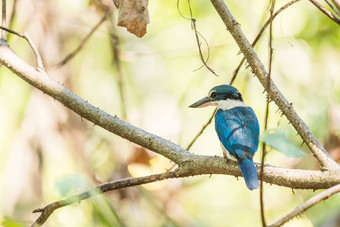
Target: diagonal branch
{"x": 333, "y": 8}
{"x": 325, "y": 11}
{"x": 304, "y": 179}
{"x": 242, "y": 61}
{"x": 189, "y": 164}
{"x": 268, "y": 22}
{"x": 44, "y": 82}
{"x": 275, "y": 94}
{"x": 337, "y": 4}
{"x": 306, "y": 205}
{"x": 46, "y": 211}
{"x": 198, "y": 165}
{"x": 36, "y": 53}
{"x": 82, "y": 43}
{"x": 202, "y": 130}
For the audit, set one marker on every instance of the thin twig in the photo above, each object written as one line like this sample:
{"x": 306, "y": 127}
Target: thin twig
{"x": 325, "y": 11}
{"x": 270, "y": 56}
{"x": 306, "y": 205}
{"x": 204, "y": 61}
{"x": 202, "y": 130}
{"x": 13, "y": 13}
{"x": 82, "y": 43}
{"x": 4, "y": 20}
{"x": 116, "y": 61}
{"x": 333, "y": 8}
{"x": 35, "y": 51}
{"x": 193, "y": 26}
{"x": 25, "y": 35}
{"x": 49, "y": 209}
{"x": 12, "y": 17}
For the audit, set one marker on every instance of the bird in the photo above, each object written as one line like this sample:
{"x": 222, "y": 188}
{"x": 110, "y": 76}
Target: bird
{"x": 237, "y": 128}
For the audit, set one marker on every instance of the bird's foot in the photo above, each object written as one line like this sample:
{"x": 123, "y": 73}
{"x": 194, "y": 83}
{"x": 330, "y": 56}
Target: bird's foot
{"x": 225, "y": 157}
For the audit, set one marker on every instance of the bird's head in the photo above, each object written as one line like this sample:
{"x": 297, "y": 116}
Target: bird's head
{"x": 222, "y": 96}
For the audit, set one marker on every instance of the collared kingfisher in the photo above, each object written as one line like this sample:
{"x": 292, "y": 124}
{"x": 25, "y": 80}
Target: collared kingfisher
{"x": 237, "y": 128}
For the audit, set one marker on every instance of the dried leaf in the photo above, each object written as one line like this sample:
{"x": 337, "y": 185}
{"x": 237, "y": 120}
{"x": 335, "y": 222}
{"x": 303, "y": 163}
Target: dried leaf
{"x": 141, "y": 156}
{"x": 134, "y": 15}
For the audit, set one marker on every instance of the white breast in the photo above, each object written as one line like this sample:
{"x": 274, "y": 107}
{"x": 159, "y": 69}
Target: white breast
{"x": 229, "y": 104}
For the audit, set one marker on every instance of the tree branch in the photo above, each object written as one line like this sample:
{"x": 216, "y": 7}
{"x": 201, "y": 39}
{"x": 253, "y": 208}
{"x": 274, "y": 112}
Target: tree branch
{"x": 3, "y": 20}
{"x": 275, "y": 94}
{"x": 333, "y": 8}
{"x": 306, "y": 205}
{"x": 241, "y": 63}
{"x": 268, "y": 22}
{"x": 325, "y": 11}
{"x": 189, "y": 164}
{"x": 198, "y": 165}
{"x": 49, "y": 209}
{"x": 30, "y": 42}
{"x": 304, "y": 179}
{"x": 44, "y": 82}
{"x": 337, "y": 3}
{"x": 266, "y": 117}
{"x": 82, "y": 43}
{"x": 201, "y": 131}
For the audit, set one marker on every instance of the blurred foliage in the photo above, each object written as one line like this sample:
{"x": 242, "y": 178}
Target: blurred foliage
{"x": 277, "y": 139}
{"x": 48, "y": 152}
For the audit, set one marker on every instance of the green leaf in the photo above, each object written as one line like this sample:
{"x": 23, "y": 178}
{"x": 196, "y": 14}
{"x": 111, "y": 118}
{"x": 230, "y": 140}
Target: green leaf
{"x": 277, "y": 139}
{"x": 9, "y": 222}
{"x": 71, "y": 184}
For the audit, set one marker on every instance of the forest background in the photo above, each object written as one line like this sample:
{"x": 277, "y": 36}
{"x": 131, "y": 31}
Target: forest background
{"x": 49, "y": 153}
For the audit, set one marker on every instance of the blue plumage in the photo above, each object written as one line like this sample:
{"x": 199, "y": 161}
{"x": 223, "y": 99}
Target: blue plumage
{"x": 238, "y": 130}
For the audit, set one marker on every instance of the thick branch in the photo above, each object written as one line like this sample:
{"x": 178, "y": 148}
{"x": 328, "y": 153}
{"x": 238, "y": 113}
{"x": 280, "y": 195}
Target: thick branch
{"x": 47, "y": 84}
{"x": 198, "y": 165}
{"x": 275, "y": 94}
{"x": 189, "y": 164}
{"x": 306, "y": 179}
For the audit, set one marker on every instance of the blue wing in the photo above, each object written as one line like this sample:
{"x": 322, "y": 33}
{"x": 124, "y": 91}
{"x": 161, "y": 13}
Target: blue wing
{"x": 238, "y": 131}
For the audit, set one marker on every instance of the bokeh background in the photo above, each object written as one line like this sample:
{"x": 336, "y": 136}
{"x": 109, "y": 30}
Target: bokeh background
{"x": 48, "y": 153}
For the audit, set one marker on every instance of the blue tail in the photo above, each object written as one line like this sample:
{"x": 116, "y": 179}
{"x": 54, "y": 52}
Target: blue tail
{"x": 249, "y": 173}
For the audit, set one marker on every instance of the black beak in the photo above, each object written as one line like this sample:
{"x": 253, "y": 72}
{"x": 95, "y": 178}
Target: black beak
{"x": 201, "y": 103}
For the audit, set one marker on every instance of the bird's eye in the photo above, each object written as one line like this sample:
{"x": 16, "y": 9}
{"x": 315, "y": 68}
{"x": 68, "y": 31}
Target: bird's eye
{"x": 213, "y": 95}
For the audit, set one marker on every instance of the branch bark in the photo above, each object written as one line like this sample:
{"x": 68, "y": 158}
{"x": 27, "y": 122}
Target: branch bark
{"x": 189, "y": 164}
{"x": 3, "y": 20}
{"x": 46, "y": 211}
{"x": 274, "y": 93}
{"x": 304, "y": 179}
{"x": 325, "y": 11}
{"x": 45, "y": 83}
{"x": 198, "y": 165}
{"x": 306, "y": 205}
